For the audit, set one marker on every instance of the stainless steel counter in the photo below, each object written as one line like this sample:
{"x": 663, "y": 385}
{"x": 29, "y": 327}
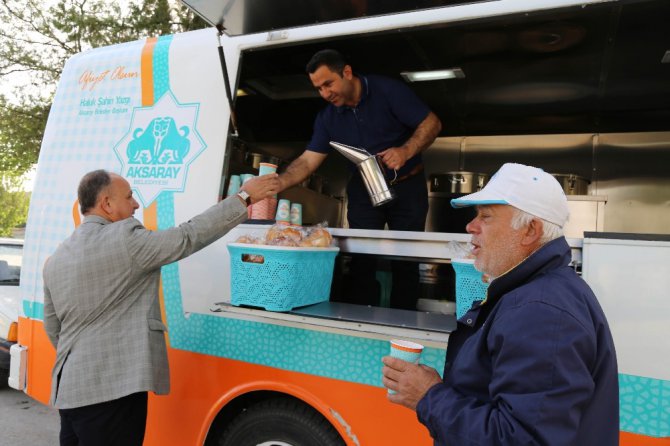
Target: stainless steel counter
{"x": 428, "y": 246}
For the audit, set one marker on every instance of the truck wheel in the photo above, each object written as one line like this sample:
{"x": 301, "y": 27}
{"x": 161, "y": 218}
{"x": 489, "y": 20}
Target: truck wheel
{"x": 4, "y": 376}
{"x": 280, "y": 422}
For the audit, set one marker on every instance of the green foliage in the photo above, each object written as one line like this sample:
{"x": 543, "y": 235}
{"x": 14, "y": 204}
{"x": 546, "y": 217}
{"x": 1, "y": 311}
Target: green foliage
{"x": 22, "y": 128}
{"x": 35, "y": 42}
{"x": 13, "y": 203}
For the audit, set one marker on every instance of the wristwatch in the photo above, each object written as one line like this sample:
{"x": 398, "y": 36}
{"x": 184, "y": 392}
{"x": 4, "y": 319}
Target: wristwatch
{"x": 244, "y": 195}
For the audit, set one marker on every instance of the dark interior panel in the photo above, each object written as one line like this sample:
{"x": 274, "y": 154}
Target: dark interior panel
{"x": 590, "y": 69}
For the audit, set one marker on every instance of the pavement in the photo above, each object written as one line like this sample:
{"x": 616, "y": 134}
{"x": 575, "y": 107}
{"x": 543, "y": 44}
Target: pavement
{"x": 26, "y": 422}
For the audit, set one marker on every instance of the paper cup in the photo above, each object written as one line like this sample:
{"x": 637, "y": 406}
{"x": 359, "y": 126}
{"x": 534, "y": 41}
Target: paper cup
{"x": 283, "y": 211}
{"x": 234, "y": 185}
{"x": 246, "y": 177}
{"x": 259, "y": 210}
{"x": 296, "y": 214}
{"x": 266, "y": 168}
{"x": 407, "y": 351}
{"x": 264, "y": 209}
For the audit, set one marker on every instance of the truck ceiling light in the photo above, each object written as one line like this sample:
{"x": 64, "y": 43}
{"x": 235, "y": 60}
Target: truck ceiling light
{"x": 434, "y": 75}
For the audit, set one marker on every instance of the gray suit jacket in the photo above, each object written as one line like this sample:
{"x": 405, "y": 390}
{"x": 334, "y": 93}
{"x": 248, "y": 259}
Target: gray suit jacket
{"x": 101, "y": 308}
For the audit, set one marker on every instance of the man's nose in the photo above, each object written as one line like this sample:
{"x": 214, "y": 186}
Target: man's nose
{"x": 470, "y": 228}
{"x": 136, "y": 205}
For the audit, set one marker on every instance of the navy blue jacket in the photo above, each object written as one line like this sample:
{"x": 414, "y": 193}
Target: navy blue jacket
{"x": 534, "y": 364}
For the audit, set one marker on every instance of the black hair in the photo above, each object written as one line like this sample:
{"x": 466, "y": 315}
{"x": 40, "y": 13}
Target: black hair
{"x": 89, "y": 188}
{"x": 333, "y": 59}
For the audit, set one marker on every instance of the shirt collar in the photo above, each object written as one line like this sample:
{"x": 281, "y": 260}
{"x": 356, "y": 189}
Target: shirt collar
{"x": 365, "y": 92}
{"x": 92, "y": 218}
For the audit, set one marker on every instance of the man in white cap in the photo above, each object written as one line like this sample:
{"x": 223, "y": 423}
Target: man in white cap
{"x": 534, "y": 363}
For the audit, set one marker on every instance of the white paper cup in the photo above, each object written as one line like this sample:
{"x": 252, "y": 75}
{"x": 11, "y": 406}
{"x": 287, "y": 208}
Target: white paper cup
{"x": 407, "y": 351}
{"x": 266, "y": 168}
{"x": 296, "y": 214}
{"x": 283, "y": 211}
{"x": 234, "y": 185}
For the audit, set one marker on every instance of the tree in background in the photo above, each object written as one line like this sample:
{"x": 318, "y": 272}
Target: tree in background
{"x": 13, "y": 203}
{"x": 35, "y": 41}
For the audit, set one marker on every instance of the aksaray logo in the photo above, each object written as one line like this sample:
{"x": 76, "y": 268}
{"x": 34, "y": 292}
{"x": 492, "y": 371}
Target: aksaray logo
{"x": 158, "y": 148}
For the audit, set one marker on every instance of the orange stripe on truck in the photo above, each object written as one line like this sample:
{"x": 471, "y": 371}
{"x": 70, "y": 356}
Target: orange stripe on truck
{"x": 41, "y": 358}
{"x": 202, "y": 384}
{"x": 628, "y": 439}
{"x": 147, "y": 71}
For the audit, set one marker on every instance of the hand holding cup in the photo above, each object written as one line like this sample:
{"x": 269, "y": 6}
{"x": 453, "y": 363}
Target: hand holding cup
{"x": 406, "y": 380}
{"x": 259, "y": 188}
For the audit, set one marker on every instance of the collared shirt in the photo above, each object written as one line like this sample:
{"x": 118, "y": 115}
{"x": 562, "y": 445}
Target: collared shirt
{"x": 534, "y": 365}
{"x": 386, "y": 116}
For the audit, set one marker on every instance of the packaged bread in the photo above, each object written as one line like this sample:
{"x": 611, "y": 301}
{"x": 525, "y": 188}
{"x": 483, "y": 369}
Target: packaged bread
{"x": 292, "y": 236}
{"x": 249, "y": 239}
{"x": 283, "y": 235}
{"x": 318, "y": 237}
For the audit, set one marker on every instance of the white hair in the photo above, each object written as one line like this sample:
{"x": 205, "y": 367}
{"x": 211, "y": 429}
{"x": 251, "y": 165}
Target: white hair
{"x": 550, "y": 231}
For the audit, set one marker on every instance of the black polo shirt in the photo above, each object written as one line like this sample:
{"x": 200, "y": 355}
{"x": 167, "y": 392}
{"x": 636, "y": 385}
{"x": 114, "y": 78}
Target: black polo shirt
{"x": 386, "y": 116}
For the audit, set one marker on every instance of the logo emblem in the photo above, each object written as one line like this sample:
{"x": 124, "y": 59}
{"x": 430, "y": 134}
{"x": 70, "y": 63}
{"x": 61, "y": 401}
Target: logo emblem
{"x": 158, "y": 148}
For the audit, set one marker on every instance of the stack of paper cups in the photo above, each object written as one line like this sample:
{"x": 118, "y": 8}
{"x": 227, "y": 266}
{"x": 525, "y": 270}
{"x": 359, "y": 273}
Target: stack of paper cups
{"x": 296, "y": 214}
{"x": 233, "y": 185}
{"x": 246, "y": 177}
{"x": 283, "y": 211}
{"x": 265, "y": 209}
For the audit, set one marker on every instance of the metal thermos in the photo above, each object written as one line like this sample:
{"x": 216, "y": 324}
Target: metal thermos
{"x": 371, "y": 171}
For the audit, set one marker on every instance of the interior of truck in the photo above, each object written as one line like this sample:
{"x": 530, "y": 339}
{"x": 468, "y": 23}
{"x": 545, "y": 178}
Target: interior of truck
{"x": 582, "y": 91}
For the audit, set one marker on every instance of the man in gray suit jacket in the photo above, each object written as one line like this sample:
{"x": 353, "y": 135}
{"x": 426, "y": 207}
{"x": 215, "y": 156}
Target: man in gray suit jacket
{"x": 101, "y": 308}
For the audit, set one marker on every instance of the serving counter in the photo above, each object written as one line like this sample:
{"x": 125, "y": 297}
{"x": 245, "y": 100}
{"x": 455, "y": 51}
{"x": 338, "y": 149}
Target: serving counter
{"x": 376, "y": 322}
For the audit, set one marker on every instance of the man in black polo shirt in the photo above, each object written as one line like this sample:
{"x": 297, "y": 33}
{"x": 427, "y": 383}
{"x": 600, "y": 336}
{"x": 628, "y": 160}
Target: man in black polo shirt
{"x": 384, "y": 117}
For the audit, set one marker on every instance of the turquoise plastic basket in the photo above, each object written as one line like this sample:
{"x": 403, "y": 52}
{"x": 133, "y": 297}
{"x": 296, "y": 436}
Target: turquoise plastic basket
{"x": 287, "y": 278}
{"x": 469, "y": 285}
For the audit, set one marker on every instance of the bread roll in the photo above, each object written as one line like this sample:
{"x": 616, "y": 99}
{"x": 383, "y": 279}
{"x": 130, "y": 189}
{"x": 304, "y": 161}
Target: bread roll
{"x": 317, "y": 238}
{"x": 278, "y": 233}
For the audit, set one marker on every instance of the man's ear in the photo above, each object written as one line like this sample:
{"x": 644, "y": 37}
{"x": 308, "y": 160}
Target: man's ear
{"x": 104, "y": 203}
{"x": 347, "y": 72}
{"x": 533, "y": 232}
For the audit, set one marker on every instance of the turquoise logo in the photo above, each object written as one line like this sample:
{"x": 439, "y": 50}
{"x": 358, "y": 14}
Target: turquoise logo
{"x": 160, "y": 143}
{"x": 159, "y": 146}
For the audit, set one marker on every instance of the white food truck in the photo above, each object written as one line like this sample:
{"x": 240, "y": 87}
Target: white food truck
{"x": 579, "y": 88}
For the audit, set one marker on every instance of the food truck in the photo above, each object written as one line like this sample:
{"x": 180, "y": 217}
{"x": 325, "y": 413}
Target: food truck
{"x": 578, "y": 88}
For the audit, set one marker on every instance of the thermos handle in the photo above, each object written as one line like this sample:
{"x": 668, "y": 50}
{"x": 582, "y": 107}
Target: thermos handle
{"x": 383, "y": 169}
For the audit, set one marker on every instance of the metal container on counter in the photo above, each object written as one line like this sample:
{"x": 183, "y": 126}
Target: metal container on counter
{"x": 458, "y": 182}
{"x": 442, "y": 189}
{"x": 255, "y": 159}
{"x": 572, "y": 184}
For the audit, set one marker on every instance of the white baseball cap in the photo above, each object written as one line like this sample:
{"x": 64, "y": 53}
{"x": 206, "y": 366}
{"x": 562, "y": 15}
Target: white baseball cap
{"x": 525, "y": 187}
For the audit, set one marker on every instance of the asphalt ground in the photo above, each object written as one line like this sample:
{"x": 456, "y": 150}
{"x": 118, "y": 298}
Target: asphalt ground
{"x": 26, "y": 422}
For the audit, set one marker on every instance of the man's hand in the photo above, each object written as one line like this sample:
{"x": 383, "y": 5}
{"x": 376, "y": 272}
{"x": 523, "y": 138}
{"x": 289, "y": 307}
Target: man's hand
{"x": 395, "y": 157}
{"x": 409, "y": 381}
{"x": 421, "y": 139}
{"x": 262, "y": 187}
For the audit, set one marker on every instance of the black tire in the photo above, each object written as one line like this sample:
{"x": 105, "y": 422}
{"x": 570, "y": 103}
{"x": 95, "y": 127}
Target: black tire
{"x": 280, "y": 422}
{"x": 4, "y": 376}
